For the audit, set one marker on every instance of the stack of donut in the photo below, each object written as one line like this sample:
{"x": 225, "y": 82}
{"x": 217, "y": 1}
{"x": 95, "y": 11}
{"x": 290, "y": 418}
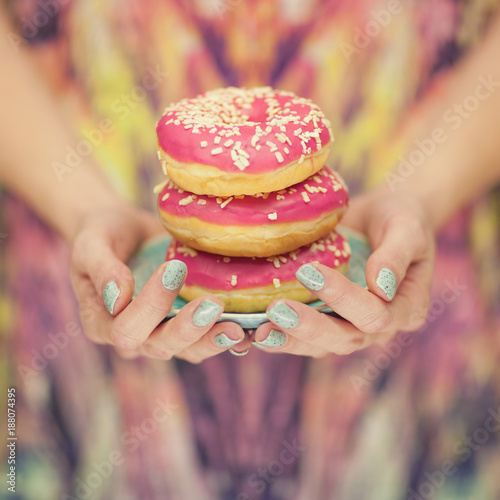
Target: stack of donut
{"x": 248, "y": 197}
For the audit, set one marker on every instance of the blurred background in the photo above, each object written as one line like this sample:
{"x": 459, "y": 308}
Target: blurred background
{"x": 416, "y": 419}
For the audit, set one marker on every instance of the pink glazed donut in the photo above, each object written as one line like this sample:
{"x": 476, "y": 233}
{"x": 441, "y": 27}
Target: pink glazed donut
{"x": 238, "y": 141}
{"x": 249, "y": 285}
{"x": 255, "y": 226}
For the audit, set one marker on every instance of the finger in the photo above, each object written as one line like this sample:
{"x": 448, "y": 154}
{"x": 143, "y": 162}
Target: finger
{"x": 96, "y": 320}
{"x": 138, "y": 320}
{"x": 193, "y": 321}
{"x": 268, "y": 338}
{"x": 363, "y": 309}
{"x": 312, "y": 327}
{"x": 221, "y": 337}
{"x": 402, "y": 241}
{"x": 111, "y": 277}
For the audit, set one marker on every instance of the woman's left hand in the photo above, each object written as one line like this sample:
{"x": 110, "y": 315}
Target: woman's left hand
{"x": 398, "y": 273}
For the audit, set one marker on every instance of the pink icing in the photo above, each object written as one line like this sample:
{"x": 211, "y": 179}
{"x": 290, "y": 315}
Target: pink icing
{"x": 319, "y": 194}
{"x": 216, "y": 272}
{"x": 251, "y": 130}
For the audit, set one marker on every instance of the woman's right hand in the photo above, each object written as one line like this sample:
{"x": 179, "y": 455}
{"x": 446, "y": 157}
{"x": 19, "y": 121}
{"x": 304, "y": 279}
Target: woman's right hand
{"x": 104, "y": 286}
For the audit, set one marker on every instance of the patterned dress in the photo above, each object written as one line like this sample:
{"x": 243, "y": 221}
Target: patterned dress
{"x": 416, "y": 419}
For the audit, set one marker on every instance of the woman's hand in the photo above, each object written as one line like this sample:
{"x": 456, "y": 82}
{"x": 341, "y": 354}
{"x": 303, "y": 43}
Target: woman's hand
{"x": 104, "y": 287}
{"x": 398, "y": 273}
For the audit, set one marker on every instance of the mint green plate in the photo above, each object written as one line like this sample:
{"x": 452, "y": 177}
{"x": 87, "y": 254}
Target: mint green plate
{"x": 152, "y": 254}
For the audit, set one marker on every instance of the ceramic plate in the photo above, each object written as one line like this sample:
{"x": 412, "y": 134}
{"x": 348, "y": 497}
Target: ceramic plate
{"x": 152, "y": 254}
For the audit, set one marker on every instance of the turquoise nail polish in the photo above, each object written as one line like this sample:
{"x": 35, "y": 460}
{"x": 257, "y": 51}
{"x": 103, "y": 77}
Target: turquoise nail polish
{"x": 283, "y": 315}
{"x": 111, "y": 293}
{"x": 206, "y": 312}
{"x": 386, "y": 281}
{"x": 310, "y": 277}
{"x": 222, "y": 340}
{"x": 174, "y": 274}
{"x": 235, "y": 353}
{"x": 274, "y": 339}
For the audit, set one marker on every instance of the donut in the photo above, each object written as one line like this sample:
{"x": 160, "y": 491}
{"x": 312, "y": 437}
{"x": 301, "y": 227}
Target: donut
{"x": 239, "y": 141}
{"x": 255, "y": 226}
{"x": 247, "y": 285}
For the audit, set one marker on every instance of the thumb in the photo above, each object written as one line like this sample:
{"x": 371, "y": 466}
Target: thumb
{"x": 401, "y": 242}
{"x": 110, "y": 276}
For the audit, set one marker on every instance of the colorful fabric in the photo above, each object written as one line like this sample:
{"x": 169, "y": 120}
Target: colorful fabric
{"x": 416, "y": 419}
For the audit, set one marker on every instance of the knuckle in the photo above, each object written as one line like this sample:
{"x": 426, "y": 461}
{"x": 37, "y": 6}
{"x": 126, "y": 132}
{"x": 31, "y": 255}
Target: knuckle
{"x": 156, "y": 350}
{"x": 378, "y": 322}
{"x": 155, "y": 309}
{"x": 337, "y": 297}
{"x": 121, "y": 337}
{"x": 311, "y": 335}
{"x": 351, "y": 346}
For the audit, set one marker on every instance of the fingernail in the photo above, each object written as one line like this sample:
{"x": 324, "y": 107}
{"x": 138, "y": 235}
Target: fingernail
{"x": 236, "y": 353}
{"x": 310, "y": 277}
{"x": 206, "y": 312}
{"x": 283, "y": 315}
{"x": 111, "y": 293}
{"x": 386, "y": 281}
{"x": 274, "y": 339}
{"x": 174, "y": 274}
{"x": 222, "y": 340}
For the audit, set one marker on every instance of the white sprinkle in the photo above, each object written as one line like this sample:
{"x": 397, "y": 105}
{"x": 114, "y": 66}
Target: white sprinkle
{"x": 217, "y": 139}
{"x": 280, "y": 197}
{"x": 226, "y": 259}
{"x": 165, "y": 197}
{"x": 213, "y": 130}
{"x": 279, "y": 156}
{"x": 298, "y": 131}
{"x": 186, "y": 201}
{"x": 226, "y": 202}
{"x": 273, "y": 216}
{"x": 301, "y": 159}
{"x": 201, "y": 202}
{"x": 305, "y": 196}
{"x": 234, "y": 280}
{"x": 203, "y": 144}
{"x": 187, "y": 251}
{"x": 228, "y": 143}
{"x": 287, "y": 151}
{"x": 282, "y": 258}
{"x": 276, "y": 282}
{"x": 217, "y": 151}
{"x": 244, "y": 161}
{"x": 159, "y": 187}
{"x": 311, "y": 189}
